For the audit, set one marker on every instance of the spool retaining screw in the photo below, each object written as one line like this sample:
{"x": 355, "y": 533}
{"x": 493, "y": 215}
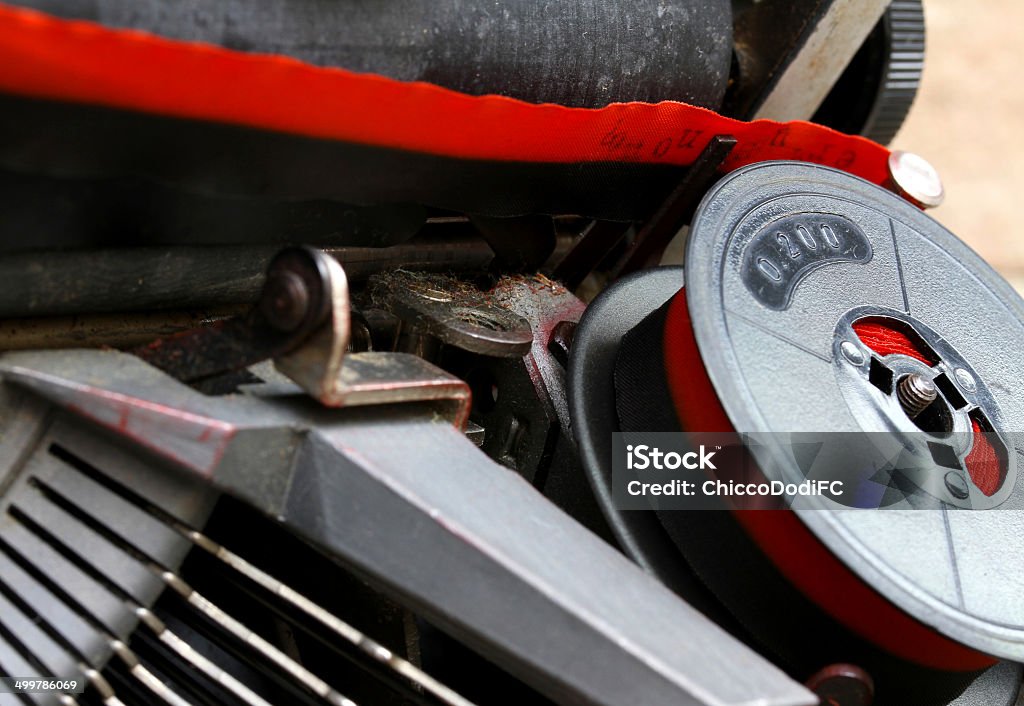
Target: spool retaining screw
{"x": 912, "y": 177}
{"x": 915, "y": 392}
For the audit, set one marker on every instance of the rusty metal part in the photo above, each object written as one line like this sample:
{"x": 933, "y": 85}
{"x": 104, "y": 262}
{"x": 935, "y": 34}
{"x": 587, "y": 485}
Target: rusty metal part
{"x": 315, "y": 365}
{"x": 521, "y": 401}
{"x": 453, "y": 311}
{"x": 843, "y": 685}
{"x": 304, "y": 321}
{"x": 321, "y": 367}
{"x": 111, "y": 330}
{"x": 221, "y": 347}
{"x": 560, "y": 343}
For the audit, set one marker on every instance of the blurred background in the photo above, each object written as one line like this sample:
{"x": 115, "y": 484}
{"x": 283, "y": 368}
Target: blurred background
{"x": 967, "y": 121}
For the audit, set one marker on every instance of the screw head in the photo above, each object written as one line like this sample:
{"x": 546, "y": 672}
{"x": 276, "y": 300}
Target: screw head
{"x": 965, "y": 380}
{"x": 285, "y": 300}
{"x": 956, "y": 484}
{"x": 560, "y": 343}
{"x": 852, "y": 353}
{"x": 843, "y": 685}
{"x": 915, "y": 178}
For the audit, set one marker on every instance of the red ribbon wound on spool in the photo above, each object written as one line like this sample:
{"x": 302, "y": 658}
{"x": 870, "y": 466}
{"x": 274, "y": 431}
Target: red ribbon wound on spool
{"x": 790, "y": 546}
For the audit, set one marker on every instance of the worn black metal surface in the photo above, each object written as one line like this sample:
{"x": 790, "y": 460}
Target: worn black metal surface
{"x": 44, "y": 283}
{"x": 454, "y": 312}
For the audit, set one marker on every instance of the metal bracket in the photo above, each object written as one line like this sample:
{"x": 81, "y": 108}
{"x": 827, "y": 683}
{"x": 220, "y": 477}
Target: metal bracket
{"x": 303, "y": 321}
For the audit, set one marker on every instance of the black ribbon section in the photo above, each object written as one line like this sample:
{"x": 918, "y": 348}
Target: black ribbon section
{"x": 641, "y": 394}
{"x": 86, "y": 142}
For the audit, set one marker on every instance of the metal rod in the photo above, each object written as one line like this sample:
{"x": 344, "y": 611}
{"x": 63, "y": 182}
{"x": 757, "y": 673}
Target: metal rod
{"x": 95, "y": 331}
{"x": 183, "y": 278}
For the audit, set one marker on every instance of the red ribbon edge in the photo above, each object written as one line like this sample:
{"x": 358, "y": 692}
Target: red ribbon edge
{"x": 45, "y": 57}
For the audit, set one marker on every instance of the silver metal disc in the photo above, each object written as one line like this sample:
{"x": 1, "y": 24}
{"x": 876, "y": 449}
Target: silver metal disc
{"x": 782, "y": 257}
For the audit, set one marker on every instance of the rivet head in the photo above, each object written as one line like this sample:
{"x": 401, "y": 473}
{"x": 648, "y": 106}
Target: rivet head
{"x": 285, "y": 300}
{"x": 965, "y": 380}
{"x": 852, "y": 353}
{"x": 956, "y": 484}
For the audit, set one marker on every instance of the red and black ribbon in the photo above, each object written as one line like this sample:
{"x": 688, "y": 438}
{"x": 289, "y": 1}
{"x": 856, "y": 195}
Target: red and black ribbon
{"x": 121, "y": 101}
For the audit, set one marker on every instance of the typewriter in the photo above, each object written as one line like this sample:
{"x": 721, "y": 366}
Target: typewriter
{"x": 359, "y": 352}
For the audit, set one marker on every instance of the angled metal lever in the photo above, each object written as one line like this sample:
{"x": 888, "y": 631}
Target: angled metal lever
{"x": 303, "y": 321}
{"x": 304, "y": 289}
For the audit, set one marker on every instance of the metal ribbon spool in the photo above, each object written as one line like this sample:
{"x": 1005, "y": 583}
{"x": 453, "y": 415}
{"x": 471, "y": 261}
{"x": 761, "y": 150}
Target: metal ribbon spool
{"x": 793, "y": 273}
